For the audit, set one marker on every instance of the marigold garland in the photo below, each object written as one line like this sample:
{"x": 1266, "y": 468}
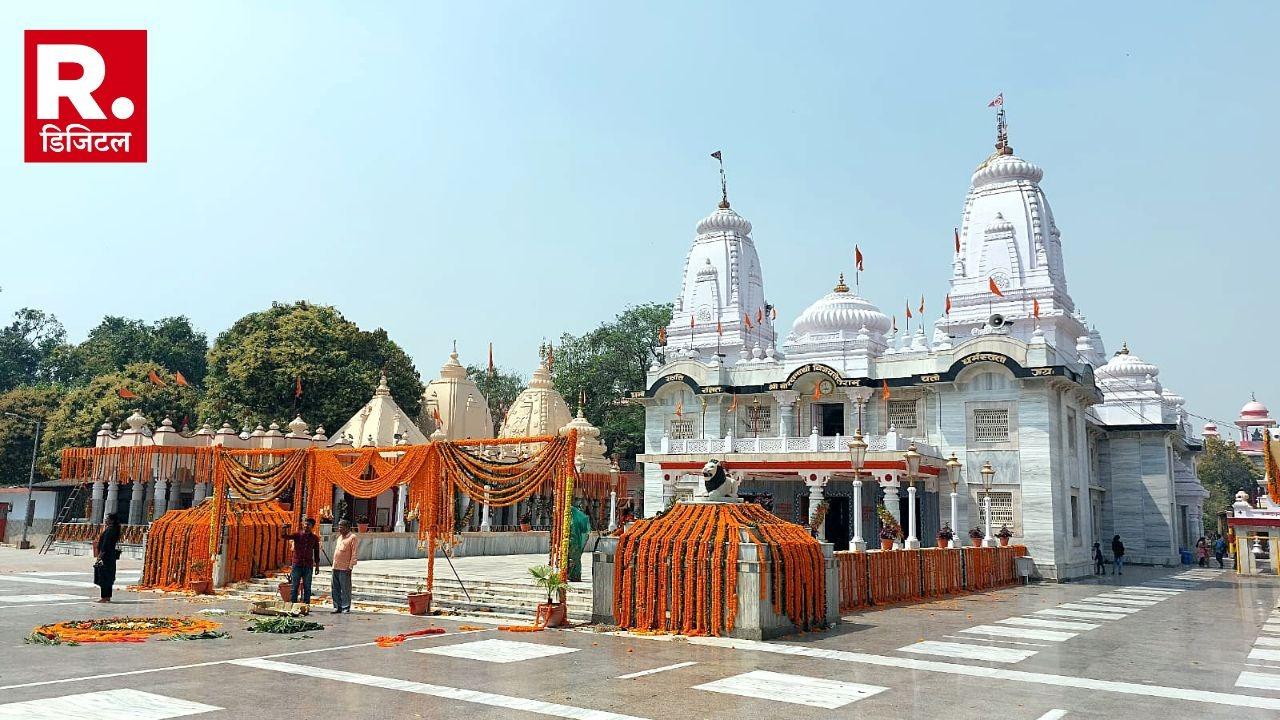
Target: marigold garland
{"x": 386, "y": 641}
{"x": 177, "y": 545}
{"x": 678, "y": 572}
{"x": 123, "y": 629}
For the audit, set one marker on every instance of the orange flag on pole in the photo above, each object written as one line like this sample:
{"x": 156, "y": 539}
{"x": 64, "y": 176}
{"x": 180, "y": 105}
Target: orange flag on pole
{"x": 817, "y": 391}
{"x": 995, "y": 289}
{"x": 760, "y": 315}
{"x": 181, "y": 379}
{"x": 662, "y": 336}
{"x": 948, "y": 307}
{"x": 857, "y": 258}
{"x": 733, "y": 405}
{"x": 746, "y": 320}
{"x": 297, "y": 387}
{"x": 679, "y": 409}
{"x": 909, "y": 315}
{"x": 125, "y": 394}
{"x": 922, "y": 305}
{"x": 957, "y": 233}
{"x": 719, "y": 328}
{"x": 154, "y": 378}
{"x": 884, "y": 392}
{"x": 1035, "y": 308}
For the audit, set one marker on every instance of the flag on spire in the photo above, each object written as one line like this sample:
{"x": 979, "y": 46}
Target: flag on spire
{"x": 1035, "y": 308}
{"x": 746, "y": 320}
{"x": 180, "y": 379}
{"x": 884, "y": 392}
{"x": 947, "y": 311}
{"x": 995, "y": 289}
{"x": 716, "y": 155}
{"x": 773, "y": 312}
{"x": 662, "y": 336}
{"x": 719, "y": 328}
{"x": 921, "y": 305}
{"x": 435, "y": 415}
{"x": 857, "y": 258}
{"x": 895, "y": 323}
{"x": 909, "y": 315}
{"x": 957, "y": 234}
{"x": 760, "y": 315}
{"x": 691, "y": 322}
{"x": 125, "y": 394}
{"x": 997, "y": 101}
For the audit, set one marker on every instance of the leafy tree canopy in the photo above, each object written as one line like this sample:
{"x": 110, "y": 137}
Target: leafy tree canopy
{"x": 499, "y": 388}
{"x": 116, "y": 342}
{"x": 253, "y": 368}
{"x": 28, "y": 346}
{"x": 30, "y": 401}
{"x": 607, "y": 362}
{"x": 1224, "y": 471}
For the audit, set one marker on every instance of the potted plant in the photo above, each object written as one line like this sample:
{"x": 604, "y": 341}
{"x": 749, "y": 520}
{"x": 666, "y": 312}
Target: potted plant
{"x": 286, "y": 590}
{"x": 552, "y": 613}
{"x": 890, "y": 531}
{"x": 526, "y": 522}
{"x": 975, "y": 536}
{"x": 419, "y": 601}
{"x": 198, "y": 579}
{"x": 1003, "y": 535}
{"x": 945, "y": 535}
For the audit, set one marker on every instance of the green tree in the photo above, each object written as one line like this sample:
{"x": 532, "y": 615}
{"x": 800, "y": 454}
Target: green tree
{"x": 1224, "y": 471}
{"x": 253, "y": 368}
{"x": 28, "y": 346}
{"x": 30, "y": 401}
{"x": 116, "y": 342}
{"x": 604, "y": 364}
{"x": 499, "y": 388}
{"x": 82, "y": 410}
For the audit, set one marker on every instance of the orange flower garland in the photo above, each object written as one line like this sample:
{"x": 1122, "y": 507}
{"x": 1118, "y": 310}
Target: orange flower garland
{"x": 678, "y": 572}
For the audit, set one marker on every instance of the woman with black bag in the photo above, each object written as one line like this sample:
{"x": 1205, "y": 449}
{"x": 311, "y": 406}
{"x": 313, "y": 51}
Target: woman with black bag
{"x": 104, "y": 568}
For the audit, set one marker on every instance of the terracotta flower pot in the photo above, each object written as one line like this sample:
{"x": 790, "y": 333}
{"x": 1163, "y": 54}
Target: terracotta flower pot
{"x": 977, "y": 541}
{"x": 1004, "y": 542}
{"x": 525, "y": 527}
{"x": 364, "y": 527}
{"x": 286, "y": 591}
{"x": 552, "y": 615}
{"x": 886, "y": 543}
{"x": 419, "y": 603}
{"x": 944, "y": 542}
{"x": 200, "y": 587}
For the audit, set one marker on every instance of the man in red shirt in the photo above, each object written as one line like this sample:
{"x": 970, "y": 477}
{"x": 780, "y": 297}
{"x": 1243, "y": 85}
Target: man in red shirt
{"x": 306, "y": 559}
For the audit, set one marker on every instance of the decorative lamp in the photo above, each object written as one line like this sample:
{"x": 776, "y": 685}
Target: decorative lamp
{"x": 912, "y": 459}
{"x": 988, "y": 473}
{"x": 953, "y": 471}
{"x": 858, "y": 453}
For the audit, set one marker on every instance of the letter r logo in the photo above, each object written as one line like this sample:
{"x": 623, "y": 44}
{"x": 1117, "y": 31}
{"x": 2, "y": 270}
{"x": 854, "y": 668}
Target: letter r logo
{"x": 50, "y": 87}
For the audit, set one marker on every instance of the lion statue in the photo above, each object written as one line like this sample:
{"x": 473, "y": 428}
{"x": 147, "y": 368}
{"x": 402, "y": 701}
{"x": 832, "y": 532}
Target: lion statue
{"x": 720, "y": 486}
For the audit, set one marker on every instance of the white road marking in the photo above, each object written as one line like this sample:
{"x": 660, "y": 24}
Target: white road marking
{"x": 664, "y": 668}
{"x": 55, "y": 604}
{"x": 1053, "y": 714}
{"x": 1024, "y": 633}
{"x": 51, "y": 581}
{"x": 1264, "y": 654}
{"x": 972, "y": 639}
{"x": 1153, "y": 592}
{"x": 990, "y": 673}
{"x": 498, "y": 651}
{"x": 1092, "y": 606}
{"x": 795, "y": 689}
{"x": 440, "y": 691}
{"x": 1267, "y": 642}
{"x": 968, "y": 652}
{"x": 122, "y": 704}
{"x": 1052, "y": 624}
{"x": 1123, "y": 600}
{"x": 52, "y": 573}
{"x": 1078, "y": 614}
{"x": 7, "y": 599}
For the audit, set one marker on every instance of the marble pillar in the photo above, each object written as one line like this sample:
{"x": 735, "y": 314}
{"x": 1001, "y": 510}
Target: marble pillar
{"x": 988, "y": 540}
{"x": 955, "y": 516}
{"x": 913, "y": 542}
{"x": 891, "y": 501}
{"x": 613, "y": 509}
{"x": 137, "y": 494}
{"x": 857, "y": 543}
{"x": 95, "y": 503}
{"x": 113, "y": 498}
{"x": 159, "y": 503}
{"x": 816, "y": 487}
{"x": 175, "y": 495}
{"x": 199, "y": 494}
{"x": 402, "y": 496}
{"x": 484, "y": 512}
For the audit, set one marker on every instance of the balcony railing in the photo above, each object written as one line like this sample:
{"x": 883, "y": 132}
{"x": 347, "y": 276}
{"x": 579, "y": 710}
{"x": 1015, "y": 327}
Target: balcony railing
{"x": 813, "y": 443}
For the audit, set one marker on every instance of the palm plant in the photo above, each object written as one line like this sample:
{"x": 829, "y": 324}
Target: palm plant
{"x": 548, "y": 578}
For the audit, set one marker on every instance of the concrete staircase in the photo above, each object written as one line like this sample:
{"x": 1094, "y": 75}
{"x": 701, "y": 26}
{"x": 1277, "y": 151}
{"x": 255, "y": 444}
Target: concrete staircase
{"x": 502, "y": 601}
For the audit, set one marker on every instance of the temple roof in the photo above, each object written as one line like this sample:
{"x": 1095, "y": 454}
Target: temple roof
{"x": 462, "y": 408}
{"x": 537, "y": 410}
{"x": 380, "y": 423}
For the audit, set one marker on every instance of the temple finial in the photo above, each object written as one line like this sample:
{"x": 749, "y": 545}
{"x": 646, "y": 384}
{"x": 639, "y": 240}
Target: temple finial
{"x": 841, "y": 287}
{"x": 1002, "y": 127}
{"x": 724, "y": 185}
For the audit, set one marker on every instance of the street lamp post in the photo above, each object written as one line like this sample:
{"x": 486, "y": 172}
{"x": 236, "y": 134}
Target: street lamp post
{"x": 953, "y": 474}
{"x": 858, "y": 458}
{"x": 29, "y": 516}
{"x": 912, "y": 460}
{"x": 988, "y": 473}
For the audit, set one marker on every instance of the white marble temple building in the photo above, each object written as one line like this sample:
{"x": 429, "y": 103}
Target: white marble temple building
{"x": 1083, "y": 447}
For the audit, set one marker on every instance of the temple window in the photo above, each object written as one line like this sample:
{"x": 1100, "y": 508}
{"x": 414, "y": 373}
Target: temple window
{"x": 680, "y": 429}
{"x": 990, "y": 425}
{"x": 902, "y": 415}
{"x": 1001, "y": 511}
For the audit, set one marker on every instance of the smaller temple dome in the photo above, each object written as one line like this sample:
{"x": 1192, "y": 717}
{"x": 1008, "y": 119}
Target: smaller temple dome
{"x": 1210, "y": 430}
{"x": 538, "y": 409}
{"x": 999, "y": 225}
{"x": 1005, "y": 168}
{"x": 724, "y": 219}
{"x": 840, "y": 310}
{"x": 1254, "y": 410}
{"x": 458, "y": 403}
{"x": 1124, "y": 366}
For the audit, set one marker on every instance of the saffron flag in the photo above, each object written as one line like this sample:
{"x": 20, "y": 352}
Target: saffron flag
{"x": 817, "y": 391}
{"x": 760, "y": 315}
{"x": 773, "y": 312}
{"x": 948, "y": 310}
{"x": 995, "y": 289}
{"x": 679, "y": 409}
{"x": 719, "y": 328}
{"x": 1035, "y": 308}
{"x": 957, "y": 233}
{"x": 181, "y": 379}
{"x": 691, "y": 323}
{"x": 922, "y": 306}
{"x": 746, "y": 320}
{"x": 733, "y": 405}
{"x": 435, "y": 415}
{"x": 997, "y": 101}
{"x": 857, "y": 258}
{"x": 297, "y": 387}
{"x": 492, "y": 369}
{"x": 125, "y": 394}
{"x": 154, "y": 378}
{"x": 662, "y": 336}
{"x": 909, "y": 315}
{"x": 884, "y": 392}
{"x": 551, "y": 352}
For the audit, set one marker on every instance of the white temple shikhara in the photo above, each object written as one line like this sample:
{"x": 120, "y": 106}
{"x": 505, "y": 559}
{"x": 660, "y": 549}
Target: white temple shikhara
{"x": 1075, "y": 447}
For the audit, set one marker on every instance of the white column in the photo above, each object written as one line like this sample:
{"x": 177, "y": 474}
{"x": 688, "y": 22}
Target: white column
{"x": 175, "y": 495}
{"x": 913, "y": 542}
{"x": 113, "y": 497}
{"x": 857, "y": 543}
{"x": 955, "y": 517}
{"x": 613, "y": 509}
{"x": 816, "y": 486}
{"x": 95, "y": 504}
{"x": 668, "y": 489}
{"x": 402, "y": 497}
{"x": 891, "y": 500}
{"x": 787, "y": 415}
{"x": 159, "y": 501}
{"x": 484, "y": 512}
{"x": 987, "y": 540}
{"x": 136, "y": 495}
{"x": 199, "y": 494}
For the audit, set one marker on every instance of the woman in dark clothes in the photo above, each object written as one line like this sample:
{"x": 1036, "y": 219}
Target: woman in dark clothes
{"x": 104, "y": 569}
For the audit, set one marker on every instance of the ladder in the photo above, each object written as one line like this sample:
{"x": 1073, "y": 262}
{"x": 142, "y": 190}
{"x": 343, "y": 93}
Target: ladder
{"x": 74, "y": 498}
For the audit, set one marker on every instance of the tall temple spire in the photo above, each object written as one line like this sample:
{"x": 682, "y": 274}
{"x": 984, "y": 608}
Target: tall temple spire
{"x": 724, "y": 185}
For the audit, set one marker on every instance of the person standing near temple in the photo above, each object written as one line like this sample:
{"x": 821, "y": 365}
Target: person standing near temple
{"x": 1099, "y": 565}
{"x": 1202, "y": 552}
{"x": 346, "y": 548}
{"x": 106, "y": 553}
{"x": 306, "y": 559}
{"x": 1117, "y": 554}
{"x": 1220, "y": 550}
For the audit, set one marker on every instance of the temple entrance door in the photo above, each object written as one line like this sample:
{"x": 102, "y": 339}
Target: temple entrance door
{"x": 837, "y": 524}
{"x": 828, "y": 418}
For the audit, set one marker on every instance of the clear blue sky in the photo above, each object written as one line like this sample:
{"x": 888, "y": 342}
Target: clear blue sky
{"x": 509, "y": 172}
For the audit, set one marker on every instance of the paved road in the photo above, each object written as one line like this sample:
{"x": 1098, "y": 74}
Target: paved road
{"x": 1155, "y": 642}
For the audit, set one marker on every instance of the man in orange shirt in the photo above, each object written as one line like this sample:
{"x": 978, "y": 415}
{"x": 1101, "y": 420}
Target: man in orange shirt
{"x": 345, "y": 549}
